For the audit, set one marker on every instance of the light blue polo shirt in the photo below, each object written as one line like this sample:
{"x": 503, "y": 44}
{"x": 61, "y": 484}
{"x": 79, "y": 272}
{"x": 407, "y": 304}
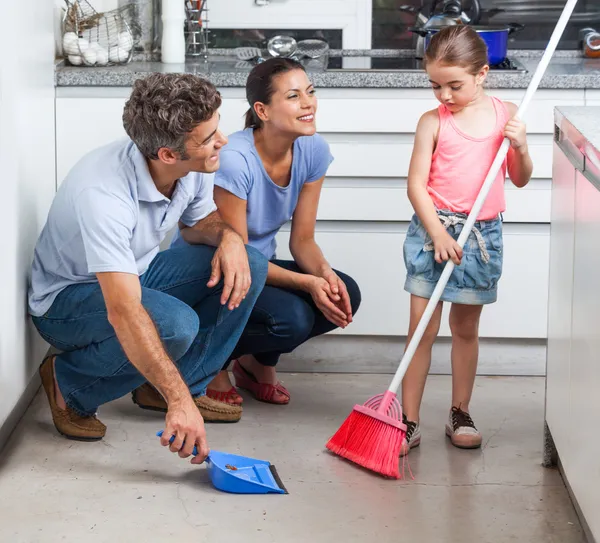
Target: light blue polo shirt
{"x": 108, "y": 216}
{"x": 268, "y": 206}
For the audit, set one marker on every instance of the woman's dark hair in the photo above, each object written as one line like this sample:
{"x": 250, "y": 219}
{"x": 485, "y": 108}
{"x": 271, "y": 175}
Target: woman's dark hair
{"x": 458, "y": 45}
{"x": 259, "y": 86}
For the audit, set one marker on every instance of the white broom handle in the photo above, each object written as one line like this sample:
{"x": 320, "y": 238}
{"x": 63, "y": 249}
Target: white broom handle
{"x": 483, "y": 192}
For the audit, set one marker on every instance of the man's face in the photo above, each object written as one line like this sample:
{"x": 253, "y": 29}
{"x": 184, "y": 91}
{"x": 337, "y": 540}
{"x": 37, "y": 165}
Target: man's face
{"x": 203, "y": 146}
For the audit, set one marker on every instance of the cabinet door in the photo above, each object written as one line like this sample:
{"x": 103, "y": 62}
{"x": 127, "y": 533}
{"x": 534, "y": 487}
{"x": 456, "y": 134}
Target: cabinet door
{"x": 371, "y": 253}
{"x": 583, "y": 471}
{"x": 560, "y": 293}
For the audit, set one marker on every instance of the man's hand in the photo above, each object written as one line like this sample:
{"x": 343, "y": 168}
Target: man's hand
{"x": 184, "y": 421}
{"x": 231, "y": 261}
{"x": 340, "y": 296}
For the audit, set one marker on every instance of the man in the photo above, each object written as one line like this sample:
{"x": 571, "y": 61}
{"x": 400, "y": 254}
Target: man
{"x": 123, "y": 313}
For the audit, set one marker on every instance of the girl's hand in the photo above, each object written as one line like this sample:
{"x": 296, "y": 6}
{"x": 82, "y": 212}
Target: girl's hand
{"x": 516, "y": 133}
{"x": 446, "y": 248}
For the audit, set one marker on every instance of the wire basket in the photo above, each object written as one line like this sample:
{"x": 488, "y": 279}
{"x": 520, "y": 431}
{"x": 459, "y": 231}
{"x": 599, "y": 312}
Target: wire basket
{"x": 91, "y": 38}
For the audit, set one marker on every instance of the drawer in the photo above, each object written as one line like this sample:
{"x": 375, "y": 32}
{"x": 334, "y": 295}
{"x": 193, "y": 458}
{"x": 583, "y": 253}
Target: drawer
{"x": 592, "y": 97}
{"x": 378, "y": 155}
{"x": 74, "y": 138}
{"x": 387, "y": 200}
{"x": 398, "y": 110}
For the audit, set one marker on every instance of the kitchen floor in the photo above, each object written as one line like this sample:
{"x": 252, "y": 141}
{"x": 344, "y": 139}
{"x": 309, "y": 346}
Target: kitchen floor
{"x": 128, "y": 488}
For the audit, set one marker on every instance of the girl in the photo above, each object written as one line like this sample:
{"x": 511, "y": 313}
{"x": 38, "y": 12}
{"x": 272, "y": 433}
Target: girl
{"x": 455, "y": 145}
{"x": 272, "y": 171}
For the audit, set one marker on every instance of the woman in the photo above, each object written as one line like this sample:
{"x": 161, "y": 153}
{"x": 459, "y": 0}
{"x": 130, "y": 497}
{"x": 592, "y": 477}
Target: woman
{"x": 271, "y": 171}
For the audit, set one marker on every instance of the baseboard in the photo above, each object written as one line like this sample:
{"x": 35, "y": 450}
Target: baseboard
{"x": 7, "y": 427}
{"x": 382, "y": 354}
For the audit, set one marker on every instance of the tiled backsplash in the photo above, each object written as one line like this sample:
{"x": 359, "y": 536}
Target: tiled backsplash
{"x": 390, "y": 25}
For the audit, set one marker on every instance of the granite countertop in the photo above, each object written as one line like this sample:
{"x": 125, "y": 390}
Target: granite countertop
{"x": 565, "y": 71}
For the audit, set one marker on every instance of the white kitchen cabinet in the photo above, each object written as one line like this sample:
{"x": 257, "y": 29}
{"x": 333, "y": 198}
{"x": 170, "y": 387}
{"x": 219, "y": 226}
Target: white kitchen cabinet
{"x": 372, "y": 255}
{"x": 592, "y": 97}
{"x": 573, "y": 354}
{"x": 364, "y": 209}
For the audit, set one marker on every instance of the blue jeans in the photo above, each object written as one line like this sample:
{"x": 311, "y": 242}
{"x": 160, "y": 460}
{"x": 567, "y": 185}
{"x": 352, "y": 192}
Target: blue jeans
{"x": 198, "y": 332}
{"x": 283, "y": 319}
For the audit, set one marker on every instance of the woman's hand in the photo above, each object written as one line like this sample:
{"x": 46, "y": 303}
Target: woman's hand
{"x": 446, "y": 248}
{"x": 340, "y": 296}
{"x": 320, "y": 291}
{"x": 515, "y": 131}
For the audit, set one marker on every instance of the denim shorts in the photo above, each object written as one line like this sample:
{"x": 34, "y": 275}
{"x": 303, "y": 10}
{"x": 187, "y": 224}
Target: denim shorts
{"x": 475, "y": 280}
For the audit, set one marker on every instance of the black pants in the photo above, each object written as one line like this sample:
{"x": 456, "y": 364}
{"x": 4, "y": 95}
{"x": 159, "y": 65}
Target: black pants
{"x": 283, "y": 319}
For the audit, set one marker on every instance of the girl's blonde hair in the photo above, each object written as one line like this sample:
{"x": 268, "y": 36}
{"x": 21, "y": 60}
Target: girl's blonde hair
{"x": 457, "y": 45}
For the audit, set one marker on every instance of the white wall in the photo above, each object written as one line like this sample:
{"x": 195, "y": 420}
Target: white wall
{"x": 352, "y": 16}
{"x": 27, "y": 155}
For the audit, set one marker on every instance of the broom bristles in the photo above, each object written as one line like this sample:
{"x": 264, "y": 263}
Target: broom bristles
{"x": 369, "y": 442}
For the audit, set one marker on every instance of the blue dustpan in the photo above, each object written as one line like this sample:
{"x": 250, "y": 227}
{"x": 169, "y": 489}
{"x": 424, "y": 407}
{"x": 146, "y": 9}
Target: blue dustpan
{"x": 241, "y": 474}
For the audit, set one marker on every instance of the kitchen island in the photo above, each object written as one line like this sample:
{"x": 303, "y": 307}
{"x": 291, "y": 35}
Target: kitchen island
{"x": 364, "y": 210}
{"x": 573, "y": 360}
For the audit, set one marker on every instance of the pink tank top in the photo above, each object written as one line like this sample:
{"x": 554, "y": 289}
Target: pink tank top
{"x": 460, "y": 164}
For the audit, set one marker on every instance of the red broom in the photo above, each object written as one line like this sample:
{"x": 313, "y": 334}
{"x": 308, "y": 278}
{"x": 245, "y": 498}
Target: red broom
{"x": 372, "y": 434}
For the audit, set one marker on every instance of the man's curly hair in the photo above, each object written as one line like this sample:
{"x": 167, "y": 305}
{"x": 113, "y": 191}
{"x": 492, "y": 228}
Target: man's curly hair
{"x": 164, "y": 108}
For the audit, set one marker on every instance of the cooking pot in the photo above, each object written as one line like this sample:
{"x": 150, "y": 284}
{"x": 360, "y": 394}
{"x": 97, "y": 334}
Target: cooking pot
{"x": 494, "y": 36}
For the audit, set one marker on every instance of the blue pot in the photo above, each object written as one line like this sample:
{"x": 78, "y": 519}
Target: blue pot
{"x": 495, "y": 37}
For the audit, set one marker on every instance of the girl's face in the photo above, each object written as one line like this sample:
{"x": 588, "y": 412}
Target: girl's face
{"x": 293, "y": 104}
{"x": 454, "y": 86}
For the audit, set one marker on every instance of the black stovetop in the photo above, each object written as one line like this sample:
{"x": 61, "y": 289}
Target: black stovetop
{"x": 385, "y": 64}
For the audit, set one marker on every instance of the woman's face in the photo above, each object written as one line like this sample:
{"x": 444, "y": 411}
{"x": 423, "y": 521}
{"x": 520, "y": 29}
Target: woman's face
{"x": 293, "y": 104}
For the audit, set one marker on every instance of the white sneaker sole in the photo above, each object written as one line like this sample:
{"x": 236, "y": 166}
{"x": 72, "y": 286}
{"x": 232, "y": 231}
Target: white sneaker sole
{"x": 414, "y": 443}
{"x": 463, "y": 441}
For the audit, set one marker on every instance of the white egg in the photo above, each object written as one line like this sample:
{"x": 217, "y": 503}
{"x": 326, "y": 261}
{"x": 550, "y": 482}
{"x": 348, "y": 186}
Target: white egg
{"x": 117, "y": 54}
{"x": 125, "y": 41}
{"x": 69, "y": 43}
{"x": 90, "y": 56}
{"x": 83, "y": 45}
{"x": 75, "y": 60}
{"x": 95, "y": 45}
{"x": 101, "y": 56}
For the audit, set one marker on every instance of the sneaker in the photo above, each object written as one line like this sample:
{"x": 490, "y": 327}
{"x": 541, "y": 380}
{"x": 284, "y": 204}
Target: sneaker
{"x": 412, "y": 438}
{"x": 461, "y": 430}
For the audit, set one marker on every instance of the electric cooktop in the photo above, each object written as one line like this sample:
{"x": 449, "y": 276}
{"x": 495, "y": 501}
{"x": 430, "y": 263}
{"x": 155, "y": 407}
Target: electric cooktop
{"x": 401, "y": 64}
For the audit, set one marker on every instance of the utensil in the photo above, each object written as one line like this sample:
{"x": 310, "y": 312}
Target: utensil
{"x": 241, "y": 474}
{"x": 372, "y": 435}
{"x": 311, "y": 48}
{"x": 248, "y": 53}
{"x": 282, "y": 46}
{"x": 451, "y": 14}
